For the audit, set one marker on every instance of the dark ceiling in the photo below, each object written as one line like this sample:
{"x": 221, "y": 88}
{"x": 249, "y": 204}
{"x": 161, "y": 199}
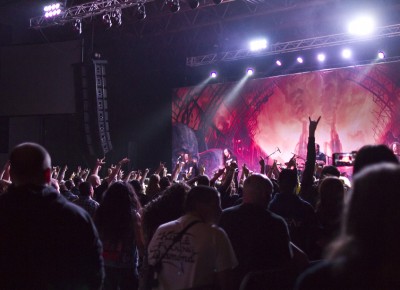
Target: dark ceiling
{"x": 209, "y": 27}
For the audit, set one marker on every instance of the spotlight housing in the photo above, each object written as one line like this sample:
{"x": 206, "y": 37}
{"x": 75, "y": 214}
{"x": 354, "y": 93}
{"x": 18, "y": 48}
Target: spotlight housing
{"x": 213, "y": 74}
{"x": 116, "y": 17}
{"x": 77, "y": 25}
{"x": 250, "y": 71}
{"x": 141, "y": 11}
{"x": 107, "y": 20}
{"x": 193, "y": 3}
{"x": 173, "y": 5}
{"x": 278, "y": 63}
{"x": 381, "y": 55}
{"x": 300, "y": 60}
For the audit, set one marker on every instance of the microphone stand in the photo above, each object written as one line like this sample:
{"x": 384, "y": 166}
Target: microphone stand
{"x": 276, "y": 150}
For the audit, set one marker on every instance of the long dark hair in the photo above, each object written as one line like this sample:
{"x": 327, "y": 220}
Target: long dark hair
{"x": 115, "y": 216}
{"x": 165, "y": 208}
{"x": 370, "y": 228}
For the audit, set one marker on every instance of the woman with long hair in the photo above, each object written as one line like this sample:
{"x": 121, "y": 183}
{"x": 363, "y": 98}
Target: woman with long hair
{"x": 366, "y": 254}
{"x": 119, "y": 224}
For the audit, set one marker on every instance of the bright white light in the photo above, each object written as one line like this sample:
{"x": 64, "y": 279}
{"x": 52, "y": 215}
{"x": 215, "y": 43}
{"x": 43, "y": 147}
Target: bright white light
{"x": 321, "y": 57}
{"x": 259, "y": 44}
{"x": 250, "y": 71}
{"x": 381, "y": 55}
{"x": 213, "y": 74}
{"x": 278, "y": 63}
{"x": 361, "y": 26}
{"x": 346, "y": 53}
{"x": 300, "y": 60}
{"x": 52, "y": 10}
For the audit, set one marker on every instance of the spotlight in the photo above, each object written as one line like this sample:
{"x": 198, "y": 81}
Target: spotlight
{"x": 250, "y": 71}
{"x": 173, "y": 5}
{"x": 381, "y": 55}
{"x": 53, "y": 10}
{"x": 116, "y": 17}
{"x": 278, "y": 63}
{"x": 346, "y": 53}
{"x": 107, "y": 20}
{"x": 213, "y": 74}
{"x": 141, "y": 11}
{"x": 216, "y": 2}
{"x": 258, "y": 44}
{"x": 300, "y": 60}
{"x": 361, "y": 26}
{"x": 193, "y": 3}
{"x": 321, "y": 57}
{"x": 77, "y": 25}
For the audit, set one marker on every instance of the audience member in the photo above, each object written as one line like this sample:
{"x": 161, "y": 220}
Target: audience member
{"x": 167, "y": 207}
{"x": 366, "y": 254}
{"x": 298, "y": 214}
{"x": 204, "y": 251}
{"x": 329, "y": 209}
{"x": 259, "y": 238}
{"x": 119, "y": 224}
{"x": 46, "y": 242}
{"x": 65, "y": 190}
{"x": 86, "y": 200}
{"x": 373, "y": 154}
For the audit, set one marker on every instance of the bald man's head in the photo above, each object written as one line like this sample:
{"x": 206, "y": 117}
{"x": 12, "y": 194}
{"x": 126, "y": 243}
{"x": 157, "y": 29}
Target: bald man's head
{"x": 257, "y": 189}
{"x": 30, "y": 163}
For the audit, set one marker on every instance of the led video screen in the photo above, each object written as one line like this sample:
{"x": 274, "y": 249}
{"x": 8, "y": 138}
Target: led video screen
{"x": 269, "y": 117}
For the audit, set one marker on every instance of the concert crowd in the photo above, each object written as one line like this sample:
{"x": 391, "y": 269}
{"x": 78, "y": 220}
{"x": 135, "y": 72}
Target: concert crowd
{"x": 278, "y": 228}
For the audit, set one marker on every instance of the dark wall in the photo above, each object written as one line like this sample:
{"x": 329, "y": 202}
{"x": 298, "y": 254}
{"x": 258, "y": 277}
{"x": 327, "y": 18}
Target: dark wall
{"x": 38, "y": 79}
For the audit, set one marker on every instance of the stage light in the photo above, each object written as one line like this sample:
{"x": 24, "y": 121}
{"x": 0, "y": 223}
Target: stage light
{"x": 258, "y": 44}
{"x": 193, "y": 3}
{"x": 361, "y": 26}
{"x": 250, "y": 71}
{"x": 321, "y": 57}
{"x": 77, "y": 25}
{"x": 381, "y": 55}
{"x": 116, "y": 17}
{"x": 300, "y": 60}
{"x": 53, "y": 10}
{"x": 278, "y": 63}
{"x": 173, "y": 5}
{"x": 141, "y": 11}
{"x": 346, "y": 53}
{"x": 107, "y": 20}
{"x": 213, "y": 74}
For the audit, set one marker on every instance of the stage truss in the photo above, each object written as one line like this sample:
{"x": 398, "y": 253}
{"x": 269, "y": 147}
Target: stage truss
{"x": 292, "y": 46}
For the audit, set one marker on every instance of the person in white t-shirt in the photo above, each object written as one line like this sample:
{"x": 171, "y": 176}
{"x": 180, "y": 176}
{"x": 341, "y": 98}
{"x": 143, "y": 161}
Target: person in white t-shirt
{"x": 204, "y": 255}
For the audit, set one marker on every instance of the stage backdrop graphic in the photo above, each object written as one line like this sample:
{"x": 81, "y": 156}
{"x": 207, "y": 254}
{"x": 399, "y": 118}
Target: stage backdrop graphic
{"x": 357, "y": 105}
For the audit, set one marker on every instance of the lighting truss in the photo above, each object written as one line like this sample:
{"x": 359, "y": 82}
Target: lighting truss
{"x": 83, "y": 11}
{"x": 292, "y": 46}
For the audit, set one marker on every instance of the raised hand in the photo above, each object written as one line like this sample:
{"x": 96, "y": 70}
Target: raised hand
{"x": 100, "y": 162}
{"x": 312, "y": 127}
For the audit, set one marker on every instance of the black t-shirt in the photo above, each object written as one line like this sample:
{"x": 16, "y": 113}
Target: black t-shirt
{"x": 259, "y": 238}
{"x": 47, "y": 242}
